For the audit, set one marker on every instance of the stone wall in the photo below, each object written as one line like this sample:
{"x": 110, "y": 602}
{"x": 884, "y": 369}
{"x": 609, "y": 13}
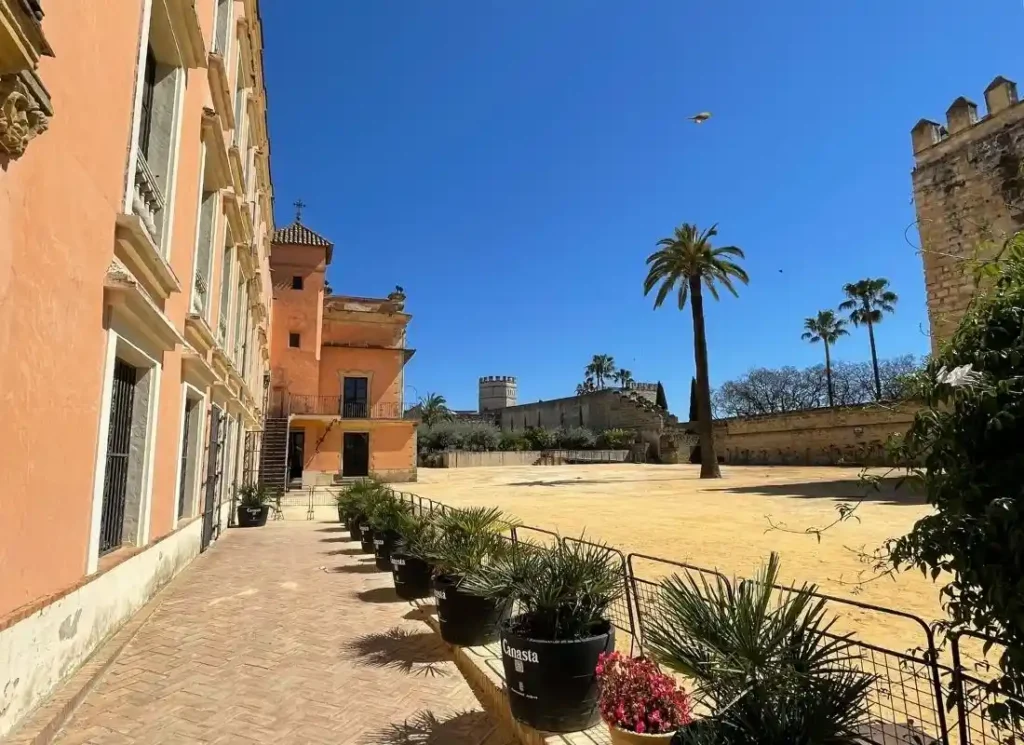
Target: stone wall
{"x": 969, "y": 194}
{"x": 472, "y": 459}
{"x": 851, "y": 435}
{"x": 602, "y": 410}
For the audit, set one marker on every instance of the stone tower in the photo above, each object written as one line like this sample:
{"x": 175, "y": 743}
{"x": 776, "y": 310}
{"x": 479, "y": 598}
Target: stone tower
{"x": 969, "y": 192}
{"x": 497, "y": 392}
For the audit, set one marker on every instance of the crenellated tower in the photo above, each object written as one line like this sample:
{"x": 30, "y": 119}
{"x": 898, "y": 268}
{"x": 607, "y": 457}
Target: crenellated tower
{"x": 497, "y": 392}
{"x": 969, "y": 193}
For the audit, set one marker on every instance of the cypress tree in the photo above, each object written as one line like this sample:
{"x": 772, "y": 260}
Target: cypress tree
{"x": 660, "y": 399}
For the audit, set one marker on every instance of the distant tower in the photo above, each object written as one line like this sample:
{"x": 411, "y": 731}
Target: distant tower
{"x": 497, "y": 392}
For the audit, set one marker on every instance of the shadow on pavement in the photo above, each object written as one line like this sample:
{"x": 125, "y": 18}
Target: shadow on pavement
{"x": 427, "y": 728}
{"x": 335, "y": 529}
{"x": 345, "y": 552}
{"x": 888, "y": 491}
{"x": 414, "y": 653}
{"x": 380, "y": 595}
{"x": 355, "y": 569}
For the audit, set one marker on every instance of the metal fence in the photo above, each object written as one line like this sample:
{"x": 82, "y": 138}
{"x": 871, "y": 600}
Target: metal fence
{"x": 915, "y": 698}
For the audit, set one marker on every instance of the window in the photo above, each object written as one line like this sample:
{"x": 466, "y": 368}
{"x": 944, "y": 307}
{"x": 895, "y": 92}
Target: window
{"x": 148, "y": 86}
{"x": 356, "y": 394}
{"x": 296, "y": 283}
{"x": 293, "y": 340}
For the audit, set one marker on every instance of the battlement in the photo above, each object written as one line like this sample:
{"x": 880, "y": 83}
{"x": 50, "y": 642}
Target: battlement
{"x": 962, "y": 116}
{"x": 642, "y": 387}
{"x": 498, "y": 379}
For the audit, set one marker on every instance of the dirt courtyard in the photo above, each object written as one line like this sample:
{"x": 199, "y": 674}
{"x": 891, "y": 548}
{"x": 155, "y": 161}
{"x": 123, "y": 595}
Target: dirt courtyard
{"x": 668, "y": 511}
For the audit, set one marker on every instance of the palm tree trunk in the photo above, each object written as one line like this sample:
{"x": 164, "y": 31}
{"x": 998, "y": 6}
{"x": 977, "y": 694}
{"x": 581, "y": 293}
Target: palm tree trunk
{"x": 828, "y": 376}
{"x": 874, "y": 362}
{"x": 708, "y": 458}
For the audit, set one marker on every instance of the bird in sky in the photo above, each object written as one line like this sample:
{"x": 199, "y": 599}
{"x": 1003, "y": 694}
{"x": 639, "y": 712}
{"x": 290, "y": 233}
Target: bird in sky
{"x": 700, "y": 118}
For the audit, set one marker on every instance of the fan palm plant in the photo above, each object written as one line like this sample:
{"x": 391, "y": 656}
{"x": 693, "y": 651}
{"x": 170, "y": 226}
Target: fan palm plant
{"x": 601, "y": 367}
{"x": 826, "y": 327}
{"x": 434, "y": 409}
{"x": 765, "y": 660}
{"x": 688, "y": 264}
{"x": 465, "y": 539}
{"x": 867, "y": 303}
{"x": 623, "y": 377}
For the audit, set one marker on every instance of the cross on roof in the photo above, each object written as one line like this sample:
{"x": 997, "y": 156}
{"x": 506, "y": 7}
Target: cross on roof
{"x": 299, "y": 205}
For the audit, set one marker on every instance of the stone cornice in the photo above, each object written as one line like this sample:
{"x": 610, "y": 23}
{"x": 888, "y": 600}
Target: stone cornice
{"x": 25, "y": 111}
{"x": 22, "y": 41}
{"x": 220, "y": 89}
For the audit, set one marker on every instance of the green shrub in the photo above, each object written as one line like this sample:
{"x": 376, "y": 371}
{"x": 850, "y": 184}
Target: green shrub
{"x": 466, "y": 539}
{"x": 540, "y": 439}
{"x": 385, "y": 513}
{"x": 480, "y": 436}
{"x": 964, "y": 451}
{"x": 616, "y": 439}
{"x": 575, "y": 438}
{"x": 510, "y": 441}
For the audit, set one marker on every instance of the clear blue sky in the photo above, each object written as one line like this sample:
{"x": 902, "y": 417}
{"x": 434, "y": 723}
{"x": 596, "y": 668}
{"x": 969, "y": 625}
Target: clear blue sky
{"x": 511, "y": 165}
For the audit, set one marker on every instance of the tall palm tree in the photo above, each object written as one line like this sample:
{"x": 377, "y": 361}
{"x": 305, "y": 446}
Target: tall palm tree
{"x": 434, "y": 409}
{"x": 867, "y": 303}
{"x": 688, "y": 260}
{"x": 602, "y": 366}
{"x": 623, "y": 377}
{"x": 825, "y": 327}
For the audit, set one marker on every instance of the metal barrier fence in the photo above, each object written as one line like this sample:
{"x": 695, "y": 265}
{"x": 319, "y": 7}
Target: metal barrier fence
{"x": 905, "y": 705}
{"x": 974, "y": 694}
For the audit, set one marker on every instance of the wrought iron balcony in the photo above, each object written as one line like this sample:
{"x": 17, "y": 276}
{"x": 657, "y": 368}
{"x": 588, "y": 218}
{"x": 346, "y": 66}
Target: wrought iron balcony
{"x": 337, "y": 406}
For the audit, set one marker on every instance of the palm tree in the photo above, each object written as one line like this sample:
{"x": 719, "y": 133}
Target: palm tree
{"x": 623, "y": 377}
{"x": 827, "y": 328}
{"x": 688, "y": 260}
{"x": 601, "y": 366}
{"x": 434, "y": 409}
{"x": 867, "y": 303}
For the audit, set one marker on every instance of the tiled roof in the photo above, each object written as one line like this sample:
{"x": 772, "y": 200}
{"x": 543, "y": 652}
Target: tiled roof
{"x": 298, "y": 234}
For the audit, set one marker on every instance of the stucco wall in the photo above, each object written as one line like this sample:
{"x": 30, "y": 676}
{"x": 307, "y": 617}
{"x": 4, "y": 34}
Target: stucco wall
{"x": 392, "y": 449}
{"x": 41, "y": 650}
{"x": 841, "y": 436}
{"x": 382, "y": 366}
{"x": 297, "y": 311}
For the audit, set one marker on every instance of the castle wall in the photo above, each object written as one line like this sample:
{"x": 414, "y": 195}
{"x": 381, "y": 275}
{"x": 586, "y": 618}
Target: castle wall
{"x": 969, "y": 193}
{"x": 850, "y": 435}
{"x": 597, "y": 411}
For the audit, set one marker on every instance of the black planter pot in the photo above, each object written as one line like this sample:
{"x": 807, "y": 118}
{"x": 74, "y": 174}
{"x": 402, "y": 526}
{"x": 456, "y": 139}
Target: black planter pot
{"x": 353, "y": 529}
{"x": 551, "y": 684}
{"x": 253, "y": 517}
{"x": 366, "y": 537}
{"x": 383, "y": 542}
{"x": 411, "y": 576}
{"x": 467, "y": 620}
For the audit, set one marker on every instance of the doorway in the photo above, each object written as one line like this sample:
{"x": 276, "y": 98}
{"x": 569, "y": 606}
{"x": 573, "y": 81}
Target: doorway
{"x": 355, "y": 458}
{"x": 296, "y": 453}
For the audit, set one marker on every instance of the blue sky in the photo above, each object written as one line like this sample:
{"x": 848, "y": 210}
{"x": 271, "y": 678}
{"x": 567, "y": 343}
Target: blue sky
{"x": 511, "y": 165}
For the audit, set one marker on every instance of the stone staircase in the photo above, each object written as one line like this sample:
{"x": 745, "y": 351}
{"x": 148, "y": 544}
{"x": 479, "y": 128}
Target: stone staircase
{"x": 274, "y": 455}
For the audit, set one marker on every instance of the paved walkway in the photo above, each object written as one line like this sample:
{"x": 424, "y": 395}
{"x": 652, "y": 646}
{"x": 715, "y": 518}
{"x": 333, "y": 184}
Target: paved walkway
{"x": 283, "y": 634}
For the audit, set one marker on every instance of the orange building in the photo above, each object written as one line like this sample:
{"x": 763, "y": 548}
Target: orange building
{"x": 135, "y": 224}
{"x": 337, "y": 375}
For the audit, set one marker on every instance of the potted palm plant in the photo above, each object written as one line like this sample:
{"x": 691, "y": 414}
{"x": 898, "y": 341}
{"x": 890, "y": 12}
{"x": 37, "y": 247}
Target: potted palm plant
{"x": 466, "y": 540}
{"x": 252, "y": 505}
{"x": 640, "y": 704}
{"x": 410, "y": 569}
{"x": 769, "y": 667}
{"x": 385, "y": 517}
{"x": 350, "y": 501}
{"x": 550, "y": 649}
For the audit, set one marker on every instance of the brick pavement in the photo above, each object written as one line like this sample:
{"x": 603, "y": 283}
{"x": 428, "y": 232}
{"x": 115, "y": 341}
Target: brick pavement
{"x": 282, "y": 635}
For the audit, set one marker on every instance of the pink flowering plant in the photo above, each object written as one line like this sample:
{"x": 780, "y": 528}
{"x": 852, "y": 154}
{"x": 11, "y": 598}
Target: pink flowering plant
{"x": 637, "y": 697}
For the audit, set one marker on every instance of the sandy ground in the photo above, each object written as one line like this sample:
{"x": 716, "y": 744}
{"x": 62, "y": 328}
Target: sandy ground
{"x": 668, "y": 511}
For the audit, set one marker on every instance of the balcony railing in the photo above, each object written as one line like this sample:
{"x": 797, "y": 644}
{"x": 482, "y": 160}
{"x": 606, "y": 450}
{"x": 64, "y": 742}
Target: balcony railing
{"x": 147, "y": 200}
{"x": 292, "y": 404}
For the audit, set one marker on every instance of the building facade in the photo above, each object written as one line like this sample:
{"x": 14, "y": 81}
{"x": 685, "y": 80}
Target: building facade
{"x": 135, "y": 216}
{"x": 337, "y": 375}
{"x": 969, "y": 193}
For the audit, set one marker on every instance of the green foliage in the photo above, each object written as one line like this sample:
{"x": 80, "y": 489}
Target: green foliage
{"x": 480, "y": 436}
{"x": 357, "y": 500}
{"x": 456, "y": 435}
{"x": 765, "y": 660}
{"x": 434, "y": 409}
{"x": 513, "y": 441}
{"x": 688, "y": 255}
{"x": 601, "y": 367}
{"x": 623, "y": 377}
{"x": 418, "y": 533}
{"x": 575, "y": 438}
{"x": 541, "y": 439}
{"x": 252, "y": 495}
{"x": 660, "y": 400}
{"x": 867, "y": 303}
{"x": 964, "y": 450}
{"x": 466, "y": 539}
{"x": 825, "y": 327}
{"x": 616, "y": 439}
{"x": 386, "y": 511}
{"x": 563, "y": 592}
